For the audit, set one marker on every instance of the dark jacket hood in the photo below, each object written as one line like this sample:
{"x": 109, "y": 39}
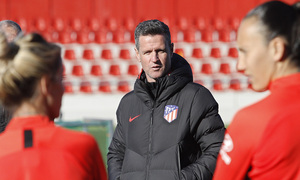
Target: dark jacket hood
{"x": 180, "y": 75}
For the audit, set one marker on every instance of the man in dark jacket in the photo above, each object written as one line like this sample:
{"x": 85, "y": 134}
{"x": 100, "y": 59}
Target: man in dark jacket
{"x": 168, "y": 127}
{"x": 11, "y": 30}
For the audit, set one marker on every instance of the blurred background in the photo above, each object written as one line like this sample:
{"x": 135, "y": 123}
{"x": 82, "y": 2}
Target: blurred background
{"x": 97, "y": 40}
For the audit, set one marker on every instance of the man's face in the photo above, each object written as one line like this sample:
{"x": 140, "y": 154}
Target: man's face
{"x": 255, "y": 58}
{"x": 155, "y": 56}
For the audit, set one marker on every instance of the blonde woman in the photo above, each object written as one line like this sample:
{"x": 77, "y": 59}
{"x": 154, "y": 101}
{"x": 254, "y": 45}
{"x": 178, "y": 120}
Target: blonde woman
{"x": 32, "y": 147}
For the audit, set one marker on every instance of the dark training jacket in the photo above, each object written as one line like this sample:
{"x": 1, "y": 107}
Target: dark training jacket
{"x": 176, "y": 135}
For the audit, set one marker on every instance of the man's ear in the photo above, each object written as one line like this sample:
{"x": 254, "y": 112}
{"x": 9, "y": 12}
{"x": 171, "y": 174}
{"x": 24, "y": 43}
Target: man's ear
{"x": 137, "y": 54}
{"x": 278, "y": 48}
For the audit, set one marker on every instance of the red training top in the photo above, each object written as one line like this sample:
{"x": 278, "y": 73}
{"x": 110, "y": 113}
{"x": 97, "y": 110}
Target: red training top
{"x": 34, "y": 148}
{"x": 263, "y": 140}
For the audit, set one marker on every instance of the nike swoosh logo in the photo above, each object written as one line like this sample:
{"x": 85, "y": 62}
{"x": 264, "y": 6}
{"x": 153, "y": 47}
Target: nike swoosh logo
{"x": 131, "y": 119}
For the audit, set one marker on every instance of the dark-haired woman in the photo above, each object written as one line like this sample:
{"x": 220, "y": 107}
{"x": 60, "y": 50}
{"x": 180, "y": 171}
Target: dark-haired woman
{"x": 263, "y": 140}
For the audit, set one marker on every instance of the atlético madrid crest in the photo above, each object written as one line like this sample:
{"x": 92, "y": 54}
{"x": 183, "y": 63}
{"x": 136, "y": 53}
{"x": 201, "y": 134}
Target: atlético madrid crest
{"x": 170, "y": 113}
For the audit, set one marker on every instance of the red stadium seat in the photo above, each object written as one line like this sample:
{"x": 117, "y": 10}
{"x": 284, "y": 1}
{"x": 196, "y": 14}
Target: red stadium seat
{"x": 86, "y": 87}
{"x": 115, "y": 70}
{"x": 133, "y": 70}
{"x": 129, "y": 24}
{"x": 235, "y": 84}
{"x": 123, "y": 86}
{"x": 106, "y": 54}
{"x": 76, "y": 24}
{"x": 111, "y": 24}
{"x": 233, "y": 52}
{"x": 183, "y": 23}
{"x": 234, "y": 23}
{"x": 190, "y": 35}
{"x": 225, "y": 68}
{"x": 58, "y": 24}
{"x": 125, "y": 54}
{"x": 197, "y": 53}
{"x": 77, "y": 70}
{"x": 102, "y": 37}
{"x": 206, "y": 68}
{"x": 93, "y": 24}
{"x": 207, "y": 35}
{"x": 96, "y": 70}
{"x": 217, "y": 85}
{"x": 88, "y": 54}
{"x": 200, "y": 23}
{"x": 104, "y": 86}
{"x": 65, "y": 37}
{"x": 41, "y": 24}
{"x": 68, "y": 87}
{"x": 83, "y": 37}
{"x": 215, "y": 52}
{"x": 225, "y": 35}
{"x": 69, "y": 54}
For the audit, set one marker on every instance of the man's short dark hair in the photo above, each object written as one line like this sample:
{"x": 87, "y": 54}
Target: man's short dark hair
{"x": 151, "y": 27}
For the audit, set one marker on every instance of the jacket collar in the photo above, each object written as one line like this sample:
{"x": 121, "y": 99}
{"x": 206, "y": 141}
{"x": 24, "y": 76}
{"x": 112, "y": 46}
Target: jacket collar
{"x": 167, "y": 86}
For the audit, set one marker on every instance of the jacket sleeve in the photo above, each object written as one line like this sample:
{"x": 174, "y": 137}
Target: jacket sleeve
{"x": 116, "y": 151}
{"x": 208, "y": 130}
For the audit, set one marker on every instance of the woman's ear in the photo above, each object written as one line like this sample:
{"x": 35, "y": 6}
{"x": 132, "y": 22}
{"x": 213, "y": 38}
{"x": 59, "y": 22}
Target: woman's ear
{"x": 44, "y": 85}
{"x": 278, "y": 45}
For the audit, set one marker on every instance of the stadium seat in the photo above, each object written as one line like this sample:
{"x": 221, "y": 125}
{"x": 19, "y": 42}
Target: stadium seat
{"x": 235, "y": 84}
{"x": 225, "y": 35}
{"x": 219, "y": 23}
{"x": 225, "y": 68}
{"x": 217, "y": 85}
{"x": 207, "y": 35}
{"x": 76, "y": 24}
{"x": 96, "y": 70}
{"x": 206, "y": 68}
{"x": 111, "y": 24}
{"x": 197, "y": 53}
{"x": 40, "y": 24}
{"x": 86, "y": 87}
{"x": 104, "y": 86}
{"x": 88, "y": 54}
{"x": 93, "y": 24}
{"x": 201, "y": 23}
{"x": 123, "y": 86}
{"x": 215, "y": 52}
{"x": 234, "y": 23}
{"x": 106, "y": 54}
{"x": 83, "y": 37}
{"x": 68, "y": 87}
{"x": 125, "y": 54}
{"x": 65, "y": 37}
{"x": 183, "y": 23}
{"x": 115, "y": 70}
{"x": 129, "y": 24}
{"x": 77, "y": 70}
{"x": 58, "y": 24}
{"x": 233, "y": 52}
{"x": 190, "y": 35}
{"x": 103, "y": 36}
{"x": 133, "y": 70}
{"x": 69, "y": 54}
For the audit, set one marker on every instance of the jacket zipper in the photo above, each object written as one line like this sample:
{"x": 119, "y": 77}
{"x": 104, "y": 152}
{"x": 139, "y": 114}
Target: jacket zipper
{"x": 149, "y": 156}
